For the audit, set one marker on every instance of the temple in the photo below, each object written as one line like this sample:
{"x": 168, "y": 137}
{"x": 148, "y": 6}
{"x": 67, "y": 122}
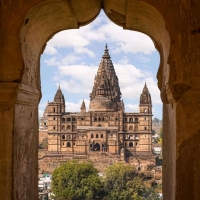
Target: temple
{"x": 106, "y": 127}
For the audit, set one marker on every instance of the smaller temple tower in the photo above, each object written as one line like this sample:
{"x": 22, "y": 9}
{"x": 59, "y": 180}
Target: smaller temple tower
{"x": 83, "y": 108}
{"x": 145, "y": 101}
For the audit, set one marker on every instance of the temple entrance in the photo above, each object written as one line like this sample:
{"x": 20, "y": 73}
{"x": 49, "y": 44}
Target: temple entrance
{"x": 97, "y": 147}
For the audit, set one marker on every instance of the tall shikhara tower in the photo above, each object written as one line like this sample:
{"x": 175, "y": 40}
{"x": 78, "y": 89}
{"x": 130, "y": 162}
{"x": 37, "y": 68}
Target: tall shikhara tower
{"x": 106, "y": 94}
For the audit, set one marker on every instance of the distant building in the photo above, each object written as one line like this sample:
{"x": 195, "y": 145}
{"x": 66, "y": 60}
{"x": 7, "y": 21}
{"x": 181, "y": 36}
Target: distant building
{"x": 106, "y": 126}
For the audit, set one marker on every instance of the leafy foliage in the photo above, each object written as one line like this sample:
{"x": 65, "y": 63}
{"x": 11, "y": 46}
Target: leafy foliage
{"x": 74, "y": 180}
{"x": 122, "y": 182}
{"x": 79, "y": 181}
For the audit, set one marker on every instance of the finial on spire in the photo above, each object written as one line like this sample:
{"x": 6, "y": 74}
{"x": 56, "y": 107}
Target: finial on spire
{"x": 106, "y": 46}
{"x": 106, "y": 54}
{"x": 59, "y": 86}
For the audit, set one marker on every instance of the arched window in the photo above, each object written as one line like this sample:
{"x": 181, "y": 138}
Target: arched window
{"x": 92, "y": 136}
{"x": 63, "y": 119}
{"x": 82, "y": 118}
{"x": 125, "y": 119}
{"x": 45, "y": 123}
{"x": 68, "y": 119}
{"x": 136, "y": 119}
{"x": 63, "y": 137}
{"x": 54, "y": 118}
{"x": 125, "y": 144}
{"x": 130, "y": 144}
{"x": 63, "y": 127}
{"x": 54, "y": 110}
{"x": 145, "y": 128}
{"x": 95, "y": 119}
{"x": 116, "y": 118}
{"x": 99, "y": 119}
{"x": 103, "y": 119}
{"x": 97, "y": 135}
{"x": 130, "y": 128}
{"x": 101, "y": 135}
{"x": 145, "y": 110}
{"x": 130, "y": 119}
{"x": 68, "y": 144}
{"x": 73, "y": 119}
{"x": 68, "y": 127}
{"x": 73, "y": 128}
{"x": 68, "y": 137}
{"x": 54, "y": 128}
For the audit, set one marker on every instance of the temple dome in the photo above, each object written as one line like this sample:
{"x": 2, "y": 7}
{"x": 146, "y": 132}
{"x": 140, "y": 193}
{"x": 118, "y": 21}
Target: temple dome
{"x": 101, "y": 103}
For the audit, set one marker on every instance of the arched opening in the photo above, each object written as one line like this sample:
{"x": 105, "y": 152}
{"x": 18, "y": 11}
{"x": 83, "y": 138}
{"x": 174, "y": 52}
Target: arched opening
{"x": 68, "y": 127}
{"x": 92, "y": 136}
{"x": 97, "y": 147}
{"x": 68, "y": 137}
{"x": 63, "y": 137}
{"x": 63, "y": 127}
{"x": 130, "y": 144}
{"x": 130, "y": 128}
{"x": 101, "y": 135}
{"x": 68, "y": 144}
{"x": 68, "y": 119}
{"x": 131, "y": 119}
{"x": 63, "y": 26}
{"x": 97, "y": 135}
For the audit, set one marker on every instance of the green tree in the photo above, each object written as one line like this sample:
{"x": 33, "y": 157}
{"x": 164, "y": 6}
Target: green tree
{"x": 76, "y": 181}
{"x": 122, "y": 182}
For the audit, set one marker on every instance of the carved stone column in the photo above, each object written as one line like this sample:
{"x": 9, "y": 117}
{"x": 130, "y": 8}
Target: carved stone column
{"x": 18, "y": 141}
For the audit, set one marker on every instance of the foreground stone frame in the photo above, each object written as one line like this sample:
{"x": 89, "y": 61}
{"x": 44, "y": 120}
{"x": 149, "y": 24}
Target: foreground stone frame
{"x": 25, "y": 28}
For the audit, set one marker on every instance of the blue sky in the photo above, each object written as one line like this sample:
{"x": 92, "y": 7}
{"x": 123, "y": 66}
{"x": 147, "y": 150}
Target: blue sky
{"x": 72, "y": 57}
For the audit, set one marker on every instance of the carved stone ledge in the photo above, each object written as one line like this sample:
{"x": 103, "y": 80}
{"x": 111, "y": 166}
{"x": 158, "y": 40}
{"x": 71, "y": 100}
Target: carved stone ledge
{"x": 28, "y": 95}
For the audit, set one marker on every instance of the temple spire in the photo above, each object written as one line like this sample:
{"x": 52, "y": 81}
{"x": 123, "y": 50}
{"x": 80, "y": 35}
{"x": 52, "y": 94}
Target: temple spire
{"x": 83, "y": 108}
{"x": 106, "y": 82}
{"x": 145, "y": 97}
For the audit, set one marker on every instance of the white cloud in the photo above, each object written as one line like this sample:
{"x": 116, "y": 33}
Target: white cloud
{"x": 142, "y": 58}
{"x": 52, "y": 61}
{"x": 101, "y": 30}
{"x": 76, "y": 78}
{"x": 124, "y": 60}
{"x": 81, "y": 50}
{"x": 75, "y": 107}
{"x": 50, "y": 50}
{"x": 133, "y": 107}
{"x": 69, "y": 59}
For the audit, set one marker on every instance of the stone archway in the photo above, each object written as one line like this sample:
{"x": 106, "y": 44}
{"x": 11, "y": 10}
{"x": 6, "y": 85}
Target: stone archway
{"x": 39, "y": 23}
{"x": 97, "y": 147}
{"x": 178, "y": 80}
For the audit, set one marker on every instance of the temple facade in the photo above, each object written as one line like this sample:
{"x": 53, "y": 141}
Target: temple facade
{"x": 106, "y": 127}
